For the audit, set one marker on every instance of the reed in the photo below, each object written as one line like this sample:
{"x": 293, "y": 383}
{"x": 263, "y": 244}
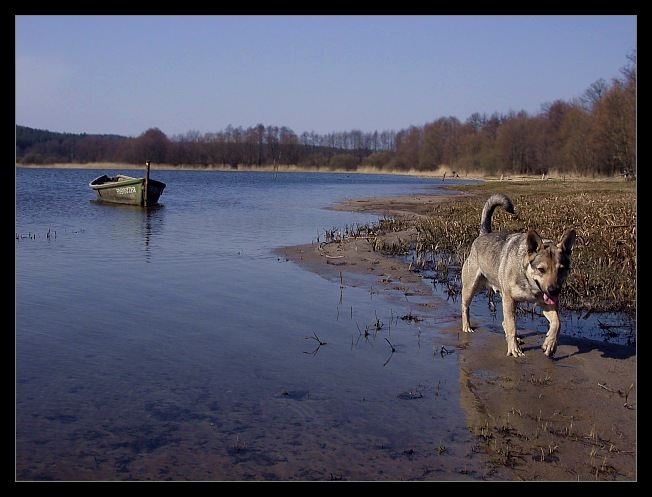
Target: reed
{"x": 603, "y": 212}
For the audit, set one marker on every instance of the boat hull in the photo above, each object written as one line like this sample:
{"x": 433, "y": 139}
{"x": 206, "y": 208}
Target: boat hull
{"x": 127, "y": 190}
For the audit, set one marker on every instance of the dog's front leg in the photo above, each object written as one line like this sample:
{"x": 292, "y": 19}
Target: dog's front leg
{"x": 509, "y": 325}
{"x": 550, "y": 343}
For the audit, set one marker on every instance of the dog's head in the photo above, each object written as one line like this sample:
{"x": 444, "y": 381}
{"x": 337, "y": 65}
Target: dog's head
{"x": 549, "y": 263}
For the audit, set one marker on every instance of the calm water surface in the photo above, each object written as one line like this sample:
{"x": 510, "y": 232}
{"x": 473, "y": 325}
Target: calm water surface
{"x": 171, "y": 344}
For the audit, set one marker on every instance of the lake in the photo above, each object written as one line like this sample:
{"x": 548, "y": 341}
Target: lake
{"x": 172, "y": 344}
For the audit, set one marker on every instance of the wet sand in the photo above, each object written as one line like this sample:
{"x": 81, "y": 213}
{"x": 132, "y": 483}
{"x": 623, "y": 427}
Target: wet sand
{"x": 569, "y": 418}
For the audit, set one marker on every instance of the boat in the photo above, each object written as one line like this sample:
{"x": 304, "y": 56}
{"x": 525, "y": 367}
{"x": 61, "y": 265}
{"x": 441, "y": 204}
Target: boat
{"x": 121, "y": 189}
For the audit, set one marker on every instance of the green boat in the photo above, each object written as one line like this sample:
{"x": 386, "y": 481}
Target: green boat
{"x": 121, "y": 189}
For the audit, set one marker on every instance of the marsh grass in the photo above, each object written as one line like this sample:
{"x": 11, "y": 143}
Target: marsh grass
{"x": 603, "y": 213}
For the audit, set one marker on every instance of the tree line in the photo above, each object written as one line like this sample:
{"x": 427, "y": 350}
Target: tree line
{"x": 594, "y": 134}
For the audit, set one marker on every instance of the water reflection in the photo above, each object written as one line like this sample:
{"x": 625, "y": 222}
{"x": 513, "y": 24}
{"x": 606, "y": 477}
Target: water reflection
{"x": 153, "y": 226}
{"x": 143, "y": 224}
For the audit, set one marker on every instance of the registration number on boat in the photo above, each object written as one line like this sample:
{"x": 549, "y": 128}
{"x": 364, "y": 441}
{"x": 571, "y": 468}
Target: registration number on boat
{"x": 125, "y": 190}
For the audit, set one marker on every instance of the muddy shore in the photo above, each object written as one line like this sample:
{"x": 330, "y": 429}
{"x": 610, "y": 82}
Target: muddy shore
{"x": 569, "y": 418}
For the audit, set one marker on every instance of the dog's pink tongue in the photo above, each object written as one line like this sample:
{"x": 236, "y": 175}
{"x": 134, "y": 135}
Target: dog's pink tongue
{"x": 549, "y": 300}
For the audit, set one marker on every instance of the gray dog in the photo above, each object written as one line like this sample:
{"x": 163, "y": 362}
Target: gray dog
{"x": 522, "y": 267}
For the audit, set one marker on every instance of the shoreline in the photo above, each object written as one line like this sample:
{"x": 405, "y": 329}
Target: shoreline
{"x": 569, "y": 418}
{"x": 281, "y": 168}
{"x": 443, "y": 172}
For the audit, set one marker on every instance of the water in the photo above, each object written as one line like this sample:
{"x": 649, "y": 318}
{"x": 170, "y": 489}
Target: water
{"x": 171, "y": 344}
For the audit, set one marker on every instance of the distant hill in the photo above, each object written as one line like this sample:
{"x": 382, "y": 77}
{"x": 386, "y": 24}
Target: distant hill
{"x": 27, "y": 137}
{"x": 42, "y": 146}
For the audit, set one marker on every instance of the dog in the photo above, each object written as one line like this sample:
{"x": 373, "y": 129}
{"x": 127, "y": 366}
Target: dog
{"x": 522, "y": 267}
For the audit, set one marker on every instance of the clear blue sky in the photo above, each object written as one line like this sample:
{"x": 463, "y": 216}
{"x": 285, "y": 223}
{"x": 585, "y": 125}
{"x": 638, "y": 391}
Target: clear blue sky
{"x": 126, "y": 74}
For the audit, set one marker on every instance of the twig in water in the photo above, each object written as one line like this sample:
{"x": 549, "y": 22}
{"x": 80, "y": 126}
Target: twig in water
{"x": 315, "y": 337}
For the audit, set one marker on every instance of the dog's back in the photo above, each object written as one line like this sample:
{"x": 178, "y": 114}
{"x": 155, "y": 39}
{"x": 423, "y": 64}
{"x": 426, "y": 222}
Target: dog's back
{"x": 497, "y": 256}
{"x": 491, "y": 250}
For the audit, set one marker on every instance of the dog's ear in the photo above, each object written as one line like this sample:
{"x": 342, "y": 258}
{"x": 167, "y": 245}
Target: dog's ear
{"x": 533, "y": 241}
{"x": 567, "y": 241}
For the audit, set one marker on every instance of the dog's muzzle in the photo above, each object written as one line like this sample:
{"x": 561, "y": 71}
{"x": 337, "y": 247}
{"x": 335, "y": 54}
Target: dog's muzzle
{"x": 549, "y": 297}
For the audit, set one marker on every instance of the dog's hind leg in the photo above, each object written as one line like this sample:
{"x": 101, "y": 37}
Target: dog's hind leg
{"x": 550, "y": 343}
{"x": 509, "y": 325}
{"x": 471, "y": 283}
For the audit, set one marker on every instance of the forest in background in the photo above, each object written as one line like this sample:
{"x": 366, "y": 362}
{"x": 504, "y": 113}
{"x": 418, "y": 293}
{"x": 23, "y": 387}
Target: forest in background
{"x": 593, "y": 135}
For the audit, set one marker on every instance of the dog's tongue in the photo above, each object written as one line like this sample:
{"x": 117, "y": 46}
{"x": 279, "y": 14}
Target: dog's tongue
{"x": 549, "y": 300}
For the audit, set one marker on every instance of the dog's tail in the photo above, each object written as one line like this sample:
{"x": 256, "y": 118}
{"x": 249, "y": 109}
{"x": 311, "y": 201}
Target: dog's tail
{"x": 497, "y": 199}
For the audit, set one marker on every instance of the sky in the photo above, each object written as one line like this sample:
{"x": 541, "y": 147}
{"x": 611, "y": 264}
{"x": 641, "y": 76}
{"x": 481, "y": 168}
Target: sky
{"x": 126, "y": 74}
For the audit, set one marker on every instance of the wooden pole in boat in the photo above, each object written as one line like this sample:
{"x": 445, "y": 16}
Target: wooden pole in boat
{"x": 146, "y": 183}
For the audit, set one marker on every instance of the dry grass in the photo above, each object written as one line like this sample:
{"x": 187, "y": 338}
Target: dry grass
{"x": 603, "y": 212}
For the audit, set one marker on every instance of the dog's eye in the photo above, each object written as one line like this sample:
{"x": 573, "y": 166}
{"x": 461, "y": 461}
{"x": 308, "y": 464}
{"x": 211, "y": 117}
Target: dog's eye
{"x": 541, "y": 270}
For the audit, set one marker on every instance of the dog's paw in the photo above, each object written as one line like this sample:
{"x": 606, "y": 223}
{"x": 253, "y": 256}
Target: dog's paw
{"x": 467, "y": 329}
{"x": 513, "y": 349}
{"x": 549, "y": 347}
